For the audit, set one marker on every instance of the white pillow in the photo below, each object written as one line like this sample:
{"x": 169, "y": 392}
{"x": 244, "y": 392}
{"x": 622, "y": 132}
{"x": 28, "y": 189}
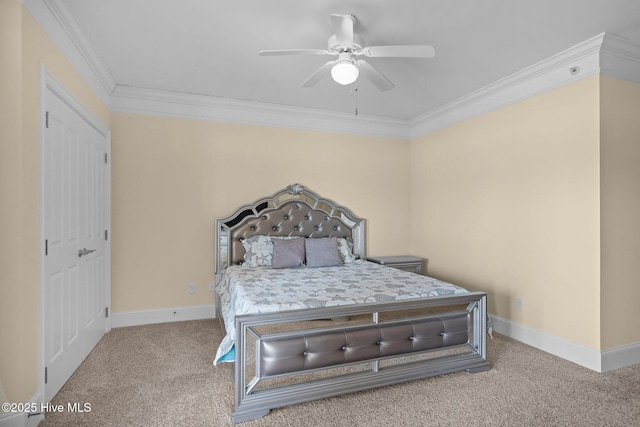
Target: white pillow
{"x": 258, "y": 251}
{"x": 345, "y": 251}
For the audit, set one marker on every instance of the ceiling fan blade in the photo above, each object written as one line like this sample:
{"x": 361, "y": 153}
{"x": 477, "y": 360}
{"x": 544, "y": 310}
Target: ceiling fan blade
{"x": 406, "y": 51}
{"x": 318, "y": 74}
{"x": 294, "y": 52}
{"x": 376, "y": 77}
{"x": 343, "y": 28}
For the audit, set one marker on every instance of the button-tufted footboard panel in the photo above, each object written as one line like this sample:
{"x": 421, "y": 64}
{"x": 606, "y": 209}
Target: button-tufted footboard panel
{"x": 276, "y": 353}
{"x": 357, "y": 344}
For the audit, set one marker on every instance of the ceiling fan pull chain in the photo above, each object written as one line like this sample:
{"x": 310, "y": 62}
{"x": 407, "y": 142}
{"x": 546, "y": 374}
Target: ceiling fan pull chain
{"x": 354, "y": 90}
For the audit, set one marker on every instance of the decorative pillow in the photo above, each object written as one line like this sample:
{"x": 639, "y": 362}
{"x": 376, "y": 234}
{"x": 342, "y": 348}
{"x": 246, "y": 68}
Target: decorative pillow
{"x": 322, "y": 252}
{"x": 288, "y": 253}
{"x": 345, "y": 249}
{"x": 258, "y": 251}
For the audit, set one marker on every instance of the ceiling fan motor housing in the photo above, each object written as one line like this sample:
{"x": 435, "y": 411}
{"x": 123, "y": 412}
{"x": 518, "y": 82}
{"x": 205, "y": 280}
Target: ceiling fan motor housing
{"x": 354, "y": 47}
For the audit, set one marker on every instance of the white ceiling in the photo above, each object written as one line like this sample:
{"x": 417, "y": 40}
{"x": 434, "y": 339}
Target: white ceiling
{"x": 210, "y": 47}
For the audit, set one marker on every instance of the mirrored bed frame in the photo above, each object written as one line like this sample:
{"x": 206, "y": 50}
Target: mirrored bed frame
{"x": 290, "y": 357}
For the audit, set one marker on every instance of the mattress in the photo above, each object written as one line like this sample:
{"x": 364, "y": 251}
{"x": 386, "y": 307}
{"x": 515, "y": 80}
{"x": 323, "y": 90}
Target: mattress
{"x": 250, "y": 290}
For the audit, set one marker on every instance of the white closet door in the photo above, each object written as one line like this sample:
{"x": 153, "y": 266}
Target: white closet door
{"x": 75, "y": 197}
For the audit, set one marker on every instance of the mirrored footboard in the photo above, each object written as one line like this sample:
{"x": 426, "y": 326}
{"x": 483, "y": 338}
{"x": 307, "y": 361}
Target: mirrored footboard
{"x": 297, "y": 356}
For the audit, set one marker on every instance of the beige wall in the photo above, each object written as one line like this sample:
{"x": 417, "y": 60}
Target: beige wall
{"x": 508, "y": 203}
{"x": 12, "y": 300}
{"x": 173, "y": 177}
{"x": 24, "y": 48}
{"x": 620, "y": 210}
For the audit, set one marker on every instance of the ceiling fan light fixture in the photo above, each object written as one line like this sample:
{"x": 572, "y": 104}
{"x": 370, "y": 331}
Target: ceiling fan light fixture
{"x": 344, "y": 72}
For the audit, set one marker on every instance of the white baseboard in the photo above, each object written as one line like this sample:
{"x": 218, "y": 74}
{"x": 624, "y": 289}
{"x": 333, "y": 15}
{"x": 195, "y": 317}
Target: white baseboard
{"x": 595, "y": 360}
{"x": 22, "y": 419}
{"x": 162, "y": 315}
{"x": 620, "y": 357}
{"x": 13, "y": 420}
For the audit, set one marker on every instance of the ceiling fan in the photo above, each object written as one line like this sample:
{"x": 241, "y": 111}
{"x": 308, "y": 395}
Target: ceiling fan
{"x": 346, "y": 45}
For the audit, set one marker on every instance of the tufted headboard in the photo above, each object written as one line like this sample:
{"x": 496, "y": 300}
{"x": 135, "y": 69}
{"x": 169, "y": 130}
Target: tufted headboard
{"x": 293, "y": 211}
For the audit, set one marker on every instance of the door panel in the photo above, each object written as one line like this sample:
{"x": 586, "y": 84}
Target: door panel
{"x": 75, "y": 203}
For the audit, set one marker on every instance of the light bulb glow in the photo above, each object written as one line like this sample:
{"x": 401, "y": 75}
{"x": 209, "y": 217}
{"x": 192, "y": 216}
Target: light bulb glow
{"x": 344, "y": 72}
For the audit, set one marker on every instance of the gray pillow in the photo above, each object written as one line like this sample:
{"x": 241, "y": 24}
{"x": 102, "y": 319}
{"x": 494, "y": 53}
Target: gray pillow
{"x": 322, "y": 252}
{"x": 287, "y": 253}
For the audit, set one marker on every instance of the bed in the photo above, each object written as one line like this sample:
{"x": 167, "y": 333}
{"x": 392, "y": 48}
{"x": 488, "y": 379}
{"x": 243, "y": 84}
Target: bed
{"x": 306, "y": 316}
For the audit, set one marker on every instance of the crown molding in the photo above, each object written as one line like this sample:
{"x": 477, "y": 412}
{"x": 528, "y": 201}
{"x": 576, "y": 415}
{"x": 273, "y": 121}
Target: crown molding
{"x": 546, "y": 75}
{"x": 620, "y": 59}
{"x": 209, "y": 108}
{"x": 59, "y": 21}
{"x": 607, "y": 54}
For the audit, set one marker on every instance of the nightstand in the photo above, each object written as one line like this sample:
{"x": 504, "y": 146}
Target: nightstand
{"x": 407, "y": 263}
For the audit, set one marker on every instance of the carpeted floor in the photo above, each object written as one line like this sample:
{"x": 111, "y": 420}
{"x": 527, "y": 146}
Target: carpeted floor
{"x": 162, "y": 375}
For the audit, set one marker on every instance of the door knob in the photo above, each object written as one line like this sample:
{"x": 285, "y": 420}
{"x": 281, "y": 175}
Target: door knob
{"x": 85, "y": 251}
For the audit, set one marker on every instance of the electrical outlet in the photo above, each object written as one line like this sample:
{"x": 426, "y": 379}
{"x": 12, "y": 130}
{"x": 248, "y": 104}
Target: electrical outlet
{"x": 519, "y": 304}
{"x": 192, "y": 288}
{"x": 212, "y": 286}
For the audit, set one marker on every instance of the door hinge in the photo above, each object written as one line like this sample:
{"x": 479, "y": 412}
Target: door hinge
{"x": 46, "y": 247}
{"x": 105, "y": 158}
{"x": 106, "y": 312}
{"x": 106, "y": 235}
{"x": 46, "y": 377}
{"x": 46, "y": 120}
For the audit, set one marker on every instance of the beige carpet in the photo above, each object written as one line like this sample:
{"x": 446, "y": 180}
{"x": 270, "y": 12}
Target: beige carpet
{"x": 162, "y": 375}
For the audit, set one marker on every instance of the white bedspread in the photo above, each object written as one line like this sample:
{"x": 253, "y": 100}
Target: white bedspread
{"x": 246, "y": 290}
